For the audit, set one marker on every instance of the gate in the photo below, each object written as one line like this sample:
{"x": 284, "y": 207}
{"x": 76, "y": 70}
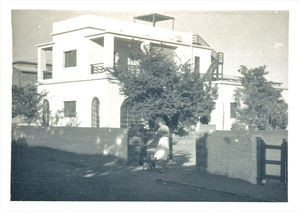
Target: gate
{"x": 262, "y": 161}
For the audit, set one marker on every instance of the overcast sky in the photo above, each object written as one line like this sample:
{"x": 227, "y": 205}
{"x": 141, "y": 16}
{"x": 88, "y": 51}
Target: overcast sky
{"x": 250, "y": 38}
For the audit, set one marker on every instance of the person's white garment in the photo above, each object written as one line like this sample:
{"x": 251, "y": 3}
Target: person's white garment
{"x": 162, "y": 149}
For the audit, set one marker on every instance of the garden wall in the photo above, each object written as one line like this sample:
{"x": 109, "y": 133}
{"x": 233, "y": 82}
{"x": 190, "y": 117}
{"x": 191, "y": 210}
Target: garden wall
{"x": 105, "y": 141}
{"x": 233, "y": 153}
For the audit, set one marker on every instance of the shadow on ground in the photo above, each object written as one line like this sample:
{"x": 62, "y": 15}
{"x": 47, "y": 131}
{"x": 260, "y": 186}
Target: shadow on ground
{"x": 44, "y": 174}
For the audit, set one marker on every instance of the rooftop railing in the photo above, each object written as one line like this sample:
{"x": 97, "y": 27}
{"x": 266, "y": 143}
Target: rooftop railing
{"x": 199, "y": 41}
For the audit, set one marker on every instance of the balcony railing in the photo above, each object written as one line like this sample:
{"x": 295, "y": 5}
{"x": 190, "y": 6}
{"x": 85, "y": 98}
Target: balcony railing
{"x": 47, "y": 75}
{"x": 199, "y": 41}
{"x": 97, "y": 68}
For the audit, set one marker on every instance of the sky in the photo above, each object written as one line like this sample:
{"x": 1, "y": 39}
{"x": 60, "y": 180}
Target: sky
{"x": 251, "y": 38}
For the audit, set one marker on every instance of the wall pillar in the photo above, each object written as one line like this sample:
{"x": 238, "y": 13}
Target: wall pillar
{"x": 108, "y": 50}
{"x": 108, "y": 102}
{"x": 41, "y": 63}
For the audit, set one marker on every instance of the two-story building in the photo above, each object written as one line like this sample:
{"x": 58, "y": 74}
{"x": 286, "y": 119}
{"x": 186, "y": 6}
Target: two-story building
{"x": 82, "y": 96}
{"x": 80, "y": 45}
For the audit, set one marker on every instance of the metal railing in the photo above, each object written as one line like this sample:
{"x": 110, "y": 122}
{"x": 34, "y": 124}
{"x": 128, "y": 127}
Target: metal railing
{"x": 97, "y": 68}
{"x": 196, "y": 39}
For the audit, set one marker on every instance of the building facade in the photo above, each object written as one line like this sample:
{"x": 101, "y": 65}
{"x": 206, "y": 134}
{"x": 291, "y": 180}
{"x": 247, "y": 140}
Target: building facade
{"x": 80, "y": 45}
{"x": 24, "y": 73}
{"x": 80, "y": 95}
{"x": 224, "y": 114}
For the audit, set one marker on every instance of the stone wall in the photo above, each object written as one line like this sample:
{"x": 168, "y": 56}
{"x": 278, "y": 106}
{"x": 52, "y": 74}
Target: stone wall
{"x": 105, "y": 141}
{"x": 233, "y": 153}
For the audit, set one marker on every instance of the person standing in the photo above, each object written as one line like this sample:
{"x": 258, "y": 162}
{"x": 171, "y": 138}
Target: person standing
{"x": 163, "y": 148}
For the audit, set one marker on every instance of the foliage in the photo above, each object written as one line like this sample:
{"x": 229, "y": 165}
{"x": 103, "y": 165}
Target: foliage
{"x": 260, "y": 105}
{"x": 59, "y": 118}
{"x": 27, "y": 102}
{"x": 158, "y": 87}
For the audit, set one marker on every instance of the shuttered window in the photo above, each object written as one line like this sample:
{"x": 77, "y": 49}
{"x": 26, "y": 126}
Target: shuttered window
{"x": 70, "y": 58}
{"x": 70, "y": 108}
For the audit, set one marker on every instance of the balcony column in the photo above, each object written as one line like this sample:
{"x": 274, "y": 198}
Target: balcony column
{"x": 108, "y": 101}
{"x": 108, "y": 50}
{"x": 41, "y": 63}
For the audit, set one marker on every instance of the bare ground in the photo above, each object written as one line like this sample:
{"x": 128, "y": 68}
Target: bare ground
{"x": 43, "y": 174}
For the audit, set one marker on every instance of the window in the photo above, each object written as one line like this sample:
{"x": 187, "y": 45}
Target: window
{"x": 127, "y": 118}
{"x": 233, "y": 108}
{"x": 70, "y": 108}
{"x": 95, "y": 113}
{"x": 197, "y": 63}
{"x": 70, "y": 58}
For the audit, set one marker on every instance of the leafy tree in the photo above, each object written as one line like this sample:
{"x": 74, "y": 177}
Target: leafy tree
{"x": 158, "y": 87}
{"x": 27, "y": 102}
{"x": 259, "y": 105}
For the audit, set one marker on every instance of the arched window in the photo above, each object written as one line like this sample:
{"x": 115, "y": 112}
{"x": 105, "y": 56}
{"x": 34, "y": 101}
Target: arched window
{"x": 95, "y": 113}
{"x": 127, "y": 117}
{"x": 46, "y": 113}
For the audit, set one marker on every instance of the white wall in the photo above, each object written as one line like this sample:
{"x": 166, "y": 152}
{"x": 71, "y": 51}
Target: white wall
{"x": 123, "y": 27}
{"x": 205, "y": 58}
{"x": 71, "y": 41}
{"x": 83, "y": 93}
{"x": 188, "y": 53}
{"x": 221, "y": 115}
{"x": 96, "y": 52}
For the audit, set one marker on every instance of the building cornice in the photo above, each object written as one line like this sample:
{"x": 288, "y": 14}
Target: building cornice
{"x": 74, "y": 30}
{"x": 51, "y": 82}
{"x": 237, "y": 82}
{"x": 45, "y": 44}
{"x": 24, "y": 62}
{"x": 148, "y": 38}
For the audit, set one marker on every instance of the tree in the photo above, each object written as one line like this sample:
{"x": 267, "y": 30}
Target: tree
{"x": 158, "y": 87}
{"x": 27, "y": 102}
{"x": 260, "y": 106}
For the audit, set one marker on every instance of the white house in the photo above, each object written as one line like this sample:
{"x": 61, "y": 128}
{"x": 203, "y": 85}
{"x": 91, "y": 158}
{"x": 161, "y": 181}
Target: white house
{"x": 80, "y": 45}
{"x": 225, "y": 110}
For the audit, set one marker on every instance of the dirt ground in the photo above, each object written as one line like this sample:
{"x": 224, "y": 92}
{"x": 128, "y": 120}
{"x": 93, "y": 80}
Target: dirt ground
{"x": 43, "y": 174}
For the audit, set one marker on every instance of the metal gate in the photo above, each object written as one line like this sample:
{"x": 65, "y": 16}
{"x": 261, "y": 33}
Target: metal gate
{"x": 262, "y": 161}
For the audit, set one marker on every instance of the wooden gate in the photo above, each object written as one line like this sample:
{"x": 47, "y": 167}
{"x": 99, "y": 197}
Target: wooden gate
{"x": 262, "y": 161}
